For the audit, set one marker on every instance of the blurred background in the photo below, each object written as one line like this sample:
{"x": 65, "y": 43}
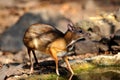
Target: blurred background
{"x": 12, "y": 10}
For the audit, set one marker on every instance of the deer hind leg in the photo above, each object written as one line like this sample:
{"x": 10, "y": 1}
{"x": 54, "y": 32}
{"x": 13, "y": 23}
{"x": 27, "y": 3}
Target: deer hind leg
{"x": 53, "y": 53}
{"x": 36, "y": 61}
{"x": 31, "y": 62}
{"x": 68, "y": 64}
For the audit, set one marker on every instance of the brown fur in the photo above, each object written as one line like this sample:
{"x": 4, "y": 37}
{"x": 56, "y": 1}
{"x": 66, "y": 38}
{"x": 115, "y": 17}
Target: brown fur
{"x": 46, "y": 38}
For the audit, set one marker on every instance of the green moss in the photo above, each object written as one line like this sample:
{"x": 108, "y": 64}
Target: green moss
{"x": 43, "y": 77}
{"x": 82, "y": 67}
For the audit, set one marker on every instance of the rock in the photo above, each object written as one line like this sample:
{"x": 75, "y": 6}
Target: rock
{"x": 104, "y": 44}
{"x": 106, "y": 60}
{"x": 107, "y": 23}
{"x": 92, "y": 47}
{"x": 85, "y": 46}
{"x": 11, "y": 39}
{"x": 115, "y": 42}
{"x": 116, "y": 37}
{"x": 10, "y": 70}
{"x": 91, "y": 28}
{"x": 3, "y": 72}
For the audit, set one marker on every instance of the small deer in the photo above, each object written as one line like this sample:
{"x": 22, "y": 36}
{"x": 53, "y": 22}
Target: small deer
{"x": 49, "y": 40}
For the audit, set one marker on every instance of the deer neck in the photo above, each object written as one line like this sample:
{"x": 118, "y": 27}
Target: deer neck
{"x": 68, "y": 36}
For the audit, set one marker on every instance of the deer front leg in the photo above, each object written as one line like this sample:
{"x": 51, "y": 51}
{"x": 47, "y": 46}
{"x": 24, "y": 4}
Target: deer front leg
{"x": 68, "y": 64}
{"x": 53, "y": 53}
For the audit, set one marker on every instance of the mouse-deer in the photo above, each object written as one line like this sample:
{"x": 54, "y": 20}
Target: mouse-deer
{"x": 49, "y": 40}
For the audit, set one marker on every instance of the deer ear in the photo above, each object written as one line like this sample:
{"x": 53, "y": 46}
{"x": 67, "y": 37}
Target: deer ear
{"x": 71, "y": 26}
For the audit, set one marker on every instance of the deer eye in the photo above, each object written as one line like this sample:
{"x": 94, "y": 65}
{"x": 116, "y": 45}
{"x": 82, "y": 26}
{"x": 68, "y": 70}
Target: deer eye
{"x": 80, "y": 31}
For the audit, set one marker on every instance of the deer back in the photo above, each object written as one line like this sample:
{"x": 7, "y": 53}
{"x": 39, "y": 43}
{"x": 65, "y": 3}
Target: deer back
{"x": 39, "y": 36}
